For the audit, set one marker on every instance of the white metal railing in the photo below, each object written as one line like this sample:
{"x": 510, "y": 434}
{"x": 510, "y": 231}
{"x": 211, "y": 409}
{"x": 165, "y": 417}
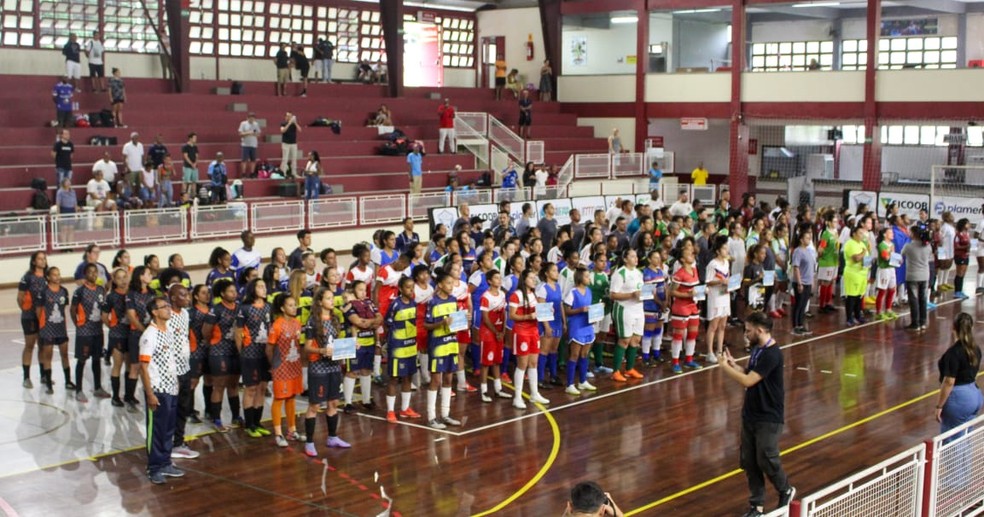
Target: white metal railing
{"x": 706, "y": 194}
{"x": 472, "y": 197}
{"x": 471, "y": 132}
{"x": 592, "y": 166}
{"x": 565, "y": 176}
{"x": 418, "y": 205}
{"x": 955, "y": 477}
{"x": 333, "y": 212}
{"x": 536, "y": 151}
{"x": 163, "y": 225}
{"x": 629, "y": 164}
{"x": 24, "y": 233}
{"x": 585, "y": 188}
{"x": 70, "y": 231}
{"x": 382, "y": 209}
{"x": 502, "y": 136}
{"x": 219, "y": 220}
{"x": 499, "y": 160}
{"x": 276, "y": 216}
{"x": 892, "y": 487}
{"x": 517, "y": 194}
{"x": 778, "y": 512}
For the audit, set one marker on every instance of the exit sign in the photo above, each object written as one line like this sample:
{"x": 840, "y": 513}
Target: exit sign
{"x": 693, "y": 124}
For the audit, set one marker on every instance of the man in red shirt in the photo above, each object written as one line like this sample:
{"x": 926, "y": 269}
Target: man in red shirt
{"x": 446, "y": 113}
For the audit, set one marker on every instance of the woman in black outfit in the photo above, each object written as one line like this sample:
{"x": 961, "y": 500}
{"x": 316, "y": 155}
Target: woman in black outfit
{"x": 960, "y": 399}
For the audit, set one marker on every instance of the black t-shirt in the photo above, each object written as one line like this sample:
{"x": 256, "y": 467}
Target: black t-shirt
{"x": 329, "y": 50}
{"x": 294, "y": 260}
{"x": 63, "y": 154}
{"x": 764, "y": 402}
{"x": 157, "y": 152}
{"x": 956, "y": 364}
{"x": 282, "y": 59}
{"x": 192, "y": 152}
{"x": 529, "y": 178}
{"x": 290, "y": 135}
{"x": 72, "y": 51}
{"x": 300, "y": 60}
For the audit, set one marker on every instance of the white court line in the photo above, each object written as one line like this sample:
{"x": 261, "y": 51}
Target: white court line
{"x": 411, "y": 424}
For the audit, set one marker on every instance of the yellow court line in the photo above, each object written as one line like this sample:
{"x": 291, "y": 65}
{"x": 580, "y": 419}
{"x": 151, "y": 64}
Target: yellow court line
{"x": 790, "y": 450}
{"x": 554, "y": 451}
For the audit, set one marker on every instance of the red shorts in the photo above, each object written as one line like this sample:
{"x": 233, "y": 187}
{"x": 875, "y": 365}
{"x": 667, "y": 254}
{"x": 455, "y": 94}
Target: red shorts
{"x": 491, "y": 348}
{"x": 421, "y": 336}
{"x": 464, "y": 338}
{"x": 526, "y": 342}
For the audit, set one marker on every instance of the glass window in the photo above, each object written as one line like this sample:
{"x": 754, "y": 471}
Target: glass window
{"x": 791, "y": 56}
{"x": 457, "y": 30}
{"x": 898, "y": 53}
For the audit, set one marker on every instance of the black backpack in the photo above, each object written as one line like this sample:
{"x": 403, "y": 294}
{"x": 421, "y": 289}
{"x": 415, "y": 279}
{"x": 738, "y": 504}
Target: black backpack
{"x": 40, "y": 200}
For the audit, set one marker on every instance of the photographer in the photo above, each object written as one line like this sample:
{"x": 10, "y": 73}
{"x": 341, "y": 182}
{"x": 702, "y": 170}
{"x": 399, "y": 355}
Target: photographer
{"x": 917, "y": 256}
{"x": 589, "y": 500}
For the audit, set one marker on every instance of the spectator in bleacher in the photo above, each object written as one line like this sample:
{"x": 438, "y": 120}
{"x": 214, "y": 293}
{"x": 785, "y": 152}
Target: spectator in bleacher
{"x": 513, "y": 83}
{"x": 189, "y": 161}
{"x": 540, "y": 189}
{"x": 463, "y": 223}
{"x": 65, "y": 199}
{"x": 73, "y": 60}
{"x": 406, "y": 239}
{"x": 282, "y": 61}
{"x": 682, "y": 206}
{"x": 165, "y": 54}
{"x": 529, "y": 175}
{"x": 165, "y": 180}
{"x": 219, "y": 176}
{"x": 525, "y": 114}
{"x": 510, "y": 179}
{"x": 288, "y": 144}
{"x": 312, "y": 176}
{"x": 158, "y": 151}
{"x": 382, "y": 117}
{"x": 525, "y": 220}
{"x": 318, "y": 50}
{"x": 246, "y": 256}
{"x": 699, "y": 175}
{"x": 295, "y": 260}
{"x": 329, "y": 58}
{"x": 62, "y": 153}
{"x": 379, "y": 72}
{"x": 500, "y": 77}
{"x": 94, "y": 51}
{"x": 416, "y": 161}
{"x": 446, "y": 114}
{"x": 655, "y": 176}
{"x": 302, "y": 65}
{"x": 117, "y": 96}
{"x": 147, "y": 185}
{"x": 97, "y": 192}
{"x": 124, "y": 196}
{"x": 547, "y": 226}
{"x": 249, "y": 132}
{"x": 133, "y": 157}
{"x": 107, "y": 167}
{"x": 546, "y": 81}
{"x": 62, "y": 95}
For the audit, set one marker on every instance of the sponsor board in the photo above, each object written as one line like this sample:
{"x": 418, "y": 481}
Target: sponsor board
{"x": 860, "y": 197}
{"x": 588, "y": 205}
{"x": 909, "y": 204}
{"x": 445, "y": 215}
{"x": 562, "y": 209}
{"x": 488, "y": 213}
{"x": 960, "y": 207}
{"x": 516, "y": 212}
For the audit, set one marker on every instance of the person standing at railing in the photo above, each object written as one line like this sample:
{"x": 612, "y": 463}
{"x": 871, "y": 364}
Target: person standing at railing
{"x": 525, "y": 114}
{"x": 960, "y": 399}
{"x": 699, "y": 175}
{"x": 416, "y": 162}
{"x": 288, "y": 144}
{"x": 219, "y": 175}
{"x": 133, "y": 157}
{"x": 446, "y": 114}
{"x": 312, "y": 176}
{"x": 655, "y": 176}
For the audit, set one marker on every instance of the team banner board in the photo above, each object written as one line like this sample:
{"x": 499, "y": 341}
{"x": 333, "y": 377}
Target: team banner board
{"x": 909, "y": 204}
{"x": 853, "y": 198}
{"x": 960, "y": 207}
{"x": 562, "y": 209}
{"x": 445, "y": 215}
{"x": 588, "y": 205}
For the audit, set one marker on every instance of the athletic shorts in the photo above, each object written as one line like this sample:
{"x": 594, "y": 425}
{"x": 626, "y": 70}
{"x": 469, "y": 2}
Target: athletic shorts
{"x": 682, "y": 322}
{"x": 304, "y": 72}
{"x": 288, "y": 388}
{"x": 526, "y": 342}
{"x": 133, "y": 347}
{"x": 421, "y": 339}
{"x": 603, "y": 326}
{"x": 401, "y": 366}
{"x": 827, "y": 274}
{"x": 118, "y": 343}
{"x": 464, "y": 337}
{"x": 556, "y": 326}
{"x": 886, "y": 278}
{"x": 445, "y": 364}
{"x": 73, "y": 69}
{"x": 491, "y": 349}
{"x": 222, "y": 365}
{"x": 323, "y": 387}
{"x": 364, "y": 358}
{"x": 88, "y": 346}
{"x": 500, "y": 81}
{"x": 962, "y": 261}
{"x": 53, "y": 341}
{"x": 189, "y": 174}
{"x": 980, "y": 249}
{"x": 249, "y": 154}
{"x": 627, "y": 324}
{"x": 254, "y": 371}
{"x": 29, "y": 324}
{"x": 197, "y": 366}
{"x": 525, "y": 118}
{"x": 97, "y": 70}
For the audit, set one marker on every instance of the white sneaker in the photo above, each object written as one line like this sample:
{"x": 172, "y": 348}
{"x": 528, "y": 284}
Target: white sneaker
{"x": 185, "y": 452}
{"x": 571, "y": 390}
{"x": 586, "y": 386}
{"x": 519, "y": 404}
{"x": 590, "y": 375}
{"x": 711, "y": 359}
{"x": 539, "y": 399}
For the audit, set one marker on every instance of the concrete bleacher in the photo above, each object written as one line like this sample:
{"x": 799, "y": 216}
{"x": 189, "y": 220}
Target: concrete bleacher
{"x": 350, "y": 159}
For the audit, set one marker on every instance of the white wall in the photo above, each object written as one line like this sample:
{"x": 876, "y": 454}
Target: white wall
{"x": 596, "y": 88}
{"x": 805, "y": 86}
{"x": 661, "y": 31}
{"x": 975, "y": 36}
{"x": 608, "y": 51}
{"x": 693, "y": 147}
{"x": 714, "y": 87}
{"x": 42, "y": 62}
{"x": 961, "y": 85}
{"x": 603, "y": 129}
{"x": 515, "y": 25}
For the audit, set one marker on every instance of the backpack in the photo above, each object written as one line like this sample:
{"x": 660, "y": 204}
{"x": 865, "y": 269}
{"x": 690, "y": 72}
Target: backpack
{"x": 40, "y": 200}
{"x": 237, "y": 88}
{"x": 263, "y": 170}
{"x": 106, "y": 119}
{"x": 39, "y": 184}
{"x": 394, "y": 135}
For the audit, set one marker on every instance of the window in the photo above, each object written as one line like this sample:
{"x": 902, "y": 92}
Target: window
{"x": 239, "y": 27}
{"x": 457, "y": 42}
{"x": 787, "y": 56}
{"x": 127, "y": 25}
{"x": 17, "y": 29}
{"x": 898, "y": 53}
{"x": 202, "y": 28}
{"x": 905, "y": 135}
{"x": 58, "y": 19}
{"x": 371, "y": 37}
{"x": 289, "y": 23}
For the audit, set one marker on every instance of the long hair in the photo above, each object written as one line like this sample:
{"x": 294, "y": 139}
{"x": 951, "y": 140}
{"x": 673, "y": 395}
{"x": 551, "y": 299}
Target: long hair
{"x": 315, "y": 319}
{"x": 135, "y": 284}
{"x": 963, "y": 327}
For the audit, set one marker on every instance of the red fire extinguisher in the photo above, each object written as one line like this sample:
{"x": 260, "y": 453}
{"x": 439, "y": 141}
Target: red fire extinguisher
{"x": 529, "y": 48}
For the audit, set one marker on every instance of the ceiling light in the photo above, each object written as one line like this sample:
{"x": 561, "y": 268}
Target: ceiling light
{"x": 818, "y": 4}
{"x": 692, "y": 11}
{"x": 624, "y": 19}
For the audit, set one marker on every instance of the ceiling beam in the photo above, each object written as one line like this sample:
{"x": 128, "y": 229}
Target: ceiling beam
{"x": 824, "y": 13}
{"x": 940, "y": 6}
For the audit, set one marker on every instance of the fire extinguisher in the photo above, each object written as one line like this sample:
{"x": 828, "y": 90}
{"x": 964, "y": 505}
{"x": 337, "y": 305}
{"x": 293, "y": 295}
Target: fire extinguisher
{"x": 529, "y": 48}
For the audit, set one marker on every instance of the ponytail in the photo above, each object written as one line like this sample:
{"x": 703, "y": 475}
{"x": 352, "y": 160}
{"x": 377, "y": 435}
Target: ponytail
{"x": 963, "y": 327}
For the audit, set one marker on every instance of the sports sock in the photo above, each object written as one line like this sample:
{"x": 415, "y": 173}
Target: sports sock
{"x": 129, "y": 388}
{"x": 460, "y": 374}
{"x": 365, "y": 385}
{"x": 598, "y": 351}
{"x": 405, "y": 400}
{"x": 497, "y": 384}
{"x": 541, "y": 366}
{"x": 507, "y": 355}
{"x": 534, "y": 387}
{"x": 216, "y": 410}
{"x": 571, "y": 366}
{"x": 431, "y": 404}
{"x": 207, "y": 395}
{"x": 114, "y": 382}
{"x": 291, "y": 413}
{"x": 79, "y": 371}
{"x": 96, "y": 373}
{"x": 41, "y": 370}
{"x": 476, "y": 356}
{"x": 377, "y": 365}
{"x": 553, "y": 361}
{"x": 68, "y": 374}
{"x": 483, "y": 387}
{"x": 390, "y": 403}
{"x": 248, "y": 418}
{"x": 309, "y": 428}
{"x": 234, "y": 406}
{"x": 518, "y": 381}
{"x": 348, "y": 388}
{"x": 445, "y": 401}
{"x": 889, "y": 297}
{"x": 691, "y": 345}
{"x": 631, "y": 359}
{"x": 619, "y": 355}
{"x": 277, "y": 408}
{"x": 980, "y": 280}
{"x": 425, "y": 377}
{"x": 258, "y": 415}
{"x": 27, "y": 367}
{"x": 332, "y": 424}
{"x": 582, "y": 369}
{"x": 647, "y": 344}
{"x": 958, "y": 284}
{"x": 657, "y": 342}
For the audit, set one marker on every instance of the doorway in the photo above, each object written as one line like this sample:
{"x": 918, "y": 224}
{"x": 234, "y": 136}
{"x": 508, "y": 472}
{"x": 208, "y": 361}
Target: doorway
{"x": 422, "y": 65}
{"x": 493, "y": 48}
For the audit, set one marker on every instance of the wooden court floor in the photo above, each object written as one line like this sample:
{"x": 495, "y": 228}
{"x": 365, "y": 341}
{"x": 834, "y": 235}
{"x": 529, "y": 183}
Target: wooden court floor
{"x": 664, "y": 445}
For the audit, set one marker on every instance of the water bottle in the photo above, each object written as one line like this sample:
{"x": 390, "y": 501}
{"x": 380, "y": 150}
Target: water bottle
{"x": 75, "y": 106}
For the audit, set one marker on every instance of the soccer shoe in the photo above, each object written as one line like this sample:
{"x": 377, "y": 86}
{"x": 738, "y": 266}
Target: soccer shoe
{"x": 602, "y": 370}
{"x": 409, "y": 413}
{"x": 555, "y": 381}
{"x": 281, "y": 441}
{"x": 451, "y": 421}
{"x": 310, "y": 450}
{"x": 49, "y": 389}
{"x": 486, "y": 397}
{"x": 959, "y": 296}
{"x": 294, "y": 436}
{"x": 618, "y": 377}
{"x": 391, "y": 417}
{"x": 338, "y": 443}
{"x": 117, "y": 402}
{"x": 634, "y": 374}
{"x": 369, "y": 406}
{"x": 467, "y": 388}
{"x": 253, "y": 433}
{"x": 505, "y": 378}
{"x": 677, "y": 368}
{"x": 850, "y": 322}
{"x": 378, "y": 380}
{"x": 348, "y": 409}
{"x": 27, "y": 384}
{"x": 219, "y": 426}
{"x": 539, "y": 399}
{"x": 518, "y": 403}
{"x": 881, "y": 316}
{"x": 262, "y": 430}
{"x": 781, "y": 311}
{"x": 692, "y": 365}
{"x": 437, "y": 424}
{"x": 69, "y": 385}
{"x": 930, "y": 306}
{"x": 571, "y": 390}
{"x": 775, "y": 315}
{"x": 132, "y": 408}
{"x": 711, "y": 359}
{"x": 753, "y": 512}
{"x": 892, "y": 315}
{"x": 184, "y": 452}
{"x": 172, "y": 472}
{"x": 503, "y": 395}
{"x": 586, "y": 386}
{"x": 101, "y": 393}
{"x": 238, "y": 422}
{"x": 80, "y": 397}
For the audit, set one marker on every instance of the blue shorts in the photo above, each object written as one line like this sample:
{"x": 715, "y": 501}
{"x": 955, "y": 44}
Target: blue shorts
{"x": 364, "y": 357}
{"x": 249, "y": 154}
{"x": 556, "y": 326}
{"x": 403, "y": 367}
{"x": 446, "y": 364}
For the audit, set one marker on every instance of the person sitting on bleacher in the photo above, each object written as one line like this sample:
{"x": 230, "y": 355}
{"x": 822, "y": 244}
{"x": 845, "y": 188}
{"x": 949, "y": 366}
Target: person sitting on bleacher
{"x": 124, "y": 196}
{"x": 364, "y": 72}
{"x": 219, "y": 175}
{"x": 97, "y": 192}
{"x": 513, "y": 82}
{"x": 148, "y": 184}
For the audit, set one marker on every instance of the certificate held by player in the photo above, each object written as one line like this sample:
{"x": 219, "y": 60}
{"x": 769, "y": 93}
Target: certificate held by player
{"x": 895, "y": 260}
{"x": 544, "y": 312}
{"x": 459, "y": 321}
{"x": 648, "y": 290}
{"x": 596, "y": 312}
{"x": 344, "y": 348}
{"x": 769, "y": 279}
{"x": 700, "y": 292}
{"x": 734, "y": 283}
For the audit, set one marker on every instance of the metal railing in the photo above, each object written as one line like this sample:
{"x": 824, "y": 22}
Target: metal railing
{"x": 471, "y": 132}
{"x": 332, "y": 212}
{"x": 23, "y": 233}
{"x": 505, "y": 138}
{"x": 68, "y": 231}
{"x": 500, "y": 160}
{"x": 592, "y": 166}
{"x": 629, "y": 164}
{"x": 383, "y": 209}
{"x": 219, "y": 220}
{"x": 145, "y": 226}
{"x": 536, "y": 151}
{"x": 955, "y": 470}
{"x": 277, "y": 216}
